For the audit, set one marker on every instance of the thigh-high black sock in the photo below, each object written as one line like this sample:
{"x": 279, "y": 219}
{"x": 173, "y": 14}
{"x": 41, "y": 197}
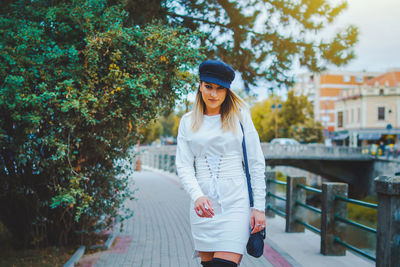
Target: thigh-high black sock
{"x": 217, "y": 262}
{"x": 206, "y": 263}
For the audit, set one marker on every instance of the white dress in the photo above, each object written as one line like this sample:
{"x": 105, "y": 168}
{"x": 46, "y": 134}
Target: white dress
{"x": 209, "y": 162}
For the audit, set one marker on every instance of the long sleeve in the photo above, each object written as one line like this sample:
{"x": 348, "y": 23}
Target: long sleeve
{"x": 256, "y": 161}
{"x": 184, "y": 162}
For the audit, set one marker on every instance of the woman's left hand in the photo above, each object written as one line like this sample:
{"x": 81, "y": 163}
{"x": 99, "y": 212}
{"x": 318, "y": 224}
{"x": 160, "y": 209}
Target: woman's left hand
{"x": 258, "y": 221}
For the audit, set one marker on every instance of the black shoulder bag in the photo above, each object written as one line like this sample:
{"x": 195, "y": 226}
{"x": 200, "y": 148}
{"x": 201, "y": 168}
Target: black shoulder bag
{"x": 255, "y": 245}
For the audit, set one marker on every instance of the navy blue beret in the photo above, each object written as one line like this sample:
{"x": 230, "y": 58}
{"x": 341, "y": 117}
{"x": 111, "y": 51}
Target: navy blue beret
{"x": 218, "y": 72}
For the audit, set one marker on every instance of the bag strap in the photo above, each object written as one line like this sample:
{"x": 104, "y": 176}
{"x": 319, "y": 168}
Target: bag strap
{"x": 246, "y": 165}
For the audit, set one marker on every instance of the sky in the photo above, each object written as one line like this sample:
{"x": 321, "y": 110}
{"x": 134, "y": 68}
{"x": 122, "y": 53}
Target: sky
{"x": 378, "y": 47}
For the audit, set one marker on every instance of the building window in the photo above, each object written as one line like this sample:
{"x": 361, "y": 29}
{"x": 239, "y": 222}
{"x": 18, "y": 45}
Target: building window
{"x": 359, "y": 79}
{"x": 352, "y": 116}
{"x": 358, "y": 114}
{"x": 381, "y": 113}
{"x": 340, "y": 119}
{"x": 346, "y": 78}
{"x": 381, "y": 92}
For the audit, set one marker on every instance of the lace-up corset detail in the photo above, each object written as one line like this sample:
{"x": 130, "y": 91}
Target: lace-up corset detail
{"x": 211, "y": 169}
{"x": 220, "y": 167}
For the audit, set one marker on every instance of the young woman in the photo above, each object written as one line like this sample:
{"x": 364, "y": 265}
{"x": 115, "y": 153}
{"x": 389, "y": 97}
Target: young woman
{"x": 209, "y": 164}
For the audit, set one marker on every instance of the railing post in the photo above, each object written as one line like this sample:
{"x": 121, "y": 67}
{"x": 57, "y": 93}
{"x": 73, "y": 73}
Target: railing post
{"x": 293, "y": 194}
{"x": 271, "y": 187}
{"x": 171, "y": 163}
{"x": 167, "y": 163}
{"x": 330, "y": 228}
{"x": 388, "y": 227}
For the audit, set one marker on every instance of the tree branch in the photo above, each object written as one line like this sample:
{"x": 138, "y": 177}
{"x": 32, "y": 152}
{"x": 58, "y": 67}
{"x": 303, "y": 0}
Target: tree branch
{"x": 198, "y": 19}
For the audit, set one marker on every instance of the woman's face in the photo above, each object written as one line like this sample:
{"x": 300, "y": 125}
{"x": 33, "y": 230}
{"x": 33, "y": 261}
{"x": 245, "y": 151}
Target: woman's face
{"x": 213, "y": 95}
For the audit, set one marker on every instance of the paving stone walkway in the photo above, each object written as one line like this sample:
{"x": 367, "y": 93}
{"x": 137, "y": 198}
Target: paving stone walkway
{"x": 159, "y": 232}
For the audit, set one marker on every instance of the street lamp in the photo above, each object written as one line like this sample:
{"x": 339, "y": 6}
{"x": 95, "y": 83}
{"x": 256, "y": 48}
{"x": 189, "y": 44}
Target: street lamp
{"x": 275, "y": 108}
{"x": 325, "y": 119}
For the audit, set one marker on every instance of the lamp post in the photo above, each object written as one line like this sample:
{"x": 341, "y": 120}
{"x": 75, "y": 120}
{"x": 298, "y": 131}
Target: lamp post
{"x": 275, "y": 108}
{"x": 325, "y": 119}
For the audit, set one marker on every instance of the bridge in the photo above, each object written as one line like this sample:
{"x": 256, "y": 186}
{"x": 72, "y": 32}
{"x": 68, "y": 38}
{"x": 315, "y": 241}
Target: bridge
{"x": 354, "y": 166}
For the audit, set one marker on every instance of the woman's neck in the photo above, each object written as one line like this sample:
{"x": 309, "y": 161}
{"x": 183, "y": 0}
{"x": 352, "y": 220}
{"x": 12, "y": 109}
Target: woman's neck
{"x": 212, "y": 112}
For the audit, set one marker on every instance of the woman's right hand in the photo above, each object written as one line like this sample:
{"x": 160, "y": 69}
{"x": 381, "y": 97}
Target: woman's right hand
{"x": 203, "y": 207}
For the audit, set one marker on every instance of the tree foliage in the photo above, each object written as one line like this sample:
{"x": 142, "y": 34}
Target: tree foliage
{"x": 164, "y": 126}
{"x": 293, "y": 120}
{"x": 75, "y": 79}
{"x": 262, "y": 39}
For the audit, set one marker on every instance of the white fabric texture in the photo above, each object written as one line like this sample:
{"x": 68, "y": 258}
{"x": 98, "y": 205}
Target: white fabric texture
{"x": 209, "y": 162}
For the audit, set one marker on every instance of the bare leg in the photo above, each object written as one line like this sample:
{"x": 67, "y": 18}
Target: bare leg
{"x": 206, "y": 256}
{"x": 230, "y": 256}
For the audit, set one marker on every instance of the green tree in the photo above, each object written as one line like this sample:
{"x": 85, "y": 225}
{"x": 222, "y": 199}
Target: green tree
{"x": 295, "y": 119}
{"x": 151, "y": 132}
{"x": 260, "y": 38}
{"x": 294, "y": 110}
{"x": 264, "y": 119}
{"x": 76, "y": 79}
{"x": 309, "y": 131}
{"x": 166, "y": 125}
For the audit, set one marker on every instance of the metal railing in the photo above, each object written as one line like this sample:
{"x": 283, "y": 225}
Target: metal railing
{"x": 310, "y": 189}
{"x": 313, "y": 151}
{"x": 288, "y": 151}
{"x": 309, "y": 207}
{"x": 275, "y": 196}
{"x": 319, "y": 211}
{"x": 355, "y": 224}
{"x": 359, "y": 251}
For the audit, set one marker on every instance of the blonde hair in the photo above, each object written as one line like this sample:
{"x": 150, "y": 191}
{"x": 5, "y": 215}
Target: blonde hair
{"x": 230, "y": 111}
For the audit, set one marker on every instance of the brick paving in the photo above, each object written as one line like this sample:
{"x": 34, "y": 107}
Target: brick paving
{"x": 159, "y": 232}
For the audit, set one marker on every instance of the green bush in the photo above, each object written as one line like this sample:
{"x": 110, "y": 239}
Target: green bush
{"x": 75, "y": 81}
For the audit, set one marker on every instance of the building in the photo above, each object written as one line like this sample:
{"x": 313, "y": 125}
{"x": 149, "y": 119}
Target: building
{"x": 324, "y": 89}
{"x": 369, "y": 113}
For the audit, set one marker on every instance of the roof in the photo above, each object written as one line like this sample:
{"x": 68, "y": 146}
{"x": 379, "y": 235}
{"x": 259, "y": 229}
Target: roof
{"x": 392, "y": 79}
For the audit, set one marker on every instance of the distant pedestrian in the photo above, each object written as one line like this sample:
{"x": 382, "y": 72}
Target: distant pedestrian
{"x": 381, "y": 148}
{"x": 395, "y": 150}
{"x": 210, "y": 137}
{"x": 390, "y": 151}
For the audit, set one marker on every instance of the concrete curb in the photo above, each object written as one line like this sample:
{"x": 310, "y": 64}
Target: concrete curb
{"x": 110, "y": 240}
{"x": 76, "y": 257}
{"x": 81, "y": 250}
{"x": 282, "y": 253}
